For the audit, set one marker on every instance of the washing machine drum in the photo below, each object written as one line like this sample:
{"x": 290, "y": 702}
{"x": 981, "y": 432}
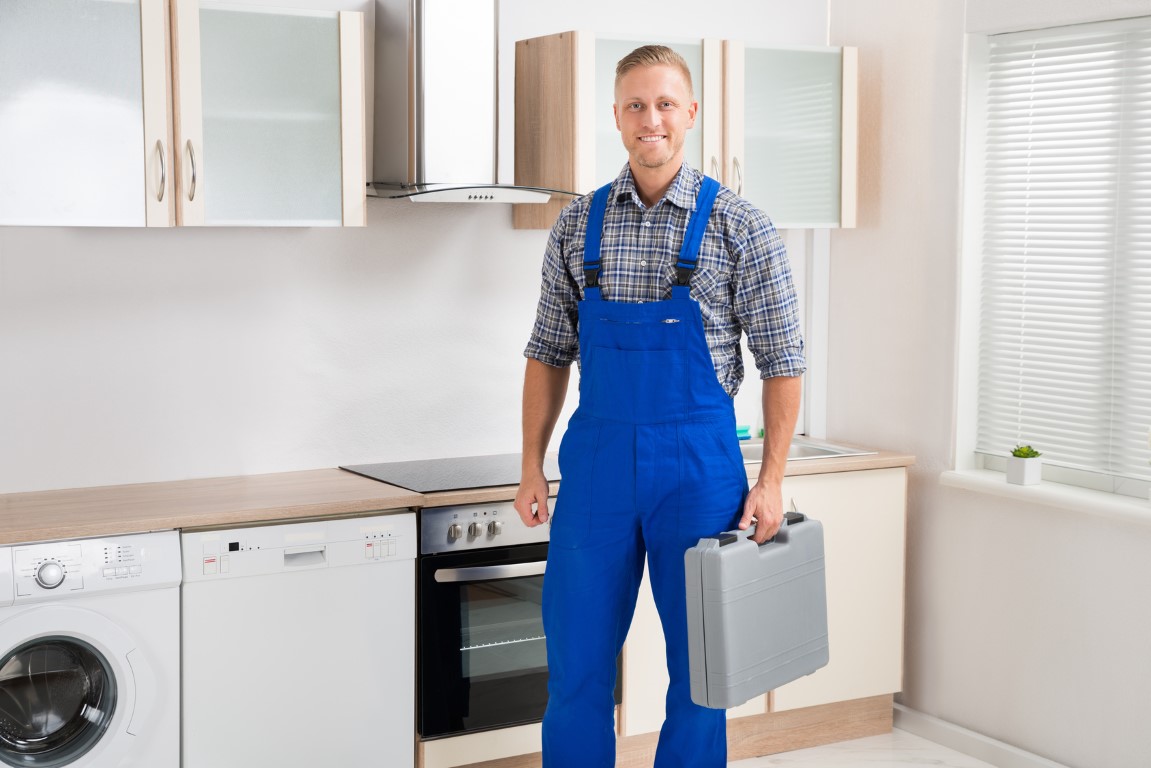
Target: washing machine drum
{"x": 57, "y": 698}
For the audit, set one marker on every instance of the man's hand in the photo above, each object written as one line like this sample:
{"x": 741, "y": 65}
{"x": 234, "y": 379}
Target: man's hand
{"x": 544, "y": 390}
{"x": 765, "y": 499}
{"x": 532, "y": 499}
{"x": 765, "y": 504}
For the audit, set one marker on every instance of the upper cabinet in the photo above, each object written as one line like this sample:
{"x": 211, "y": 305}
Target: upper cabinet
{"x": 777, "y": 125}
{"x": 72, "y": 126}
{"x": 141, "y": 113}
{"x": 789, "y": 132}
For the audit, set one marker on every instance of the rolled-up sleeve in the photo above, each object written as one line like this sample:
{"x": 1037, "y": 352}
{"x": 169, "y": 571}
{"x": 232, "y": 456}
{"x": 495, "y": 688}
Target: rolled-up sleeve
{"x": 555, "y": 336}
{"x": 765, "y": 300}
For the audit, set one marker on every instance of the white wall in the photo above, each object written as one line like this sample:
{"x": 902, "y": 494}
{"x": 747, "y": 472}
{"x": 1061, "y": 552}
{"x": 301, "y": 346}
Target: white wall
{"x": 133, "y": 356}
{"x": 1028, "y": 624}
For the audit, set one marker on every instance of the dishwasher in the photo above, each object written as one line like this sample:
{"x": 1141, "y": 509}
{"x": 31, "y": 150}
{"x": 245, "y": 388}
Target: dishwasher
{"x": 298, "y": 644}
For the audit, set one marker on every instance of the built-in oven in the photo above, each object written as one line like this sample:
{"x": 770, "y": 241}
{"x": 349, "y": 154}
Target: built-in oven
{"x": 481, "y": 651}
{"x": 482, "y": 660}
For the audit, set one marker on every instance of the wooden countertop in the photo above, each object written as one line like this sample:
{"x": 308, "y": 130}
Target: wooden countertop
{"x": 109, "y": 510}
{"x": 282, "y": 496}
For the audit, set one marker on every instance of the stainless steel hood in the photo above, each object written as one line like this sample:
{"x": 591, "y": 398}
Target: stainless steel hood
{"x": 436, "y": 98}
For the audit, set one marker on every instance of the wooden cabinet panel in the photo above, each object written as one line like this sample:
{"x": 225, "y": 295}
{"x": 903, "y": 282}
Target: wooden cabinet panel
{"x": 547, "y": 108}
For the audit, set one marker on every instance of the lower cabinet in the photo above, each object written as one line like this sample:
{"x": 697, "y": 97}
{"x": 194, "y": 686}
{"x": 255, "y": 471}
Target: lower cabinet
{"x": 864, "y": 518}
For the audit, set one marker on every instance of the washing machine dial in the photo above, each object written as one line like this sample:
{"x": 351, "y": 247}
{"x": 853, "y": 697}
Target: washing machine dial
{"x": 50, "y": 575}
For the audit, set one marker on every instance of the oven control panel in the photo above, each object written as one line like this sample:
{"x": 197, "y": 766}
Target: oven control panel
{"x": 476, "y": 526}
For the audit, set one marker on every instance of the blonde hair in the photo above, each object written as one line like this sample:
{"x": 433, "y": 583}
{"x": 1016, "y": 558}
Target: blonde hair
{"x": 653, "y": 56}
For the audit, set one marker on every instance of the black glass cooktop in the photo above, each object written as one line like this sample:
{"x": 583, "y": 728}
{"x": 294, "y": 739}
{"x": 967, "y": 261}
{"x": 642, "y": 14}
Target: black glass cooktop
{"x": 430, "y": 475}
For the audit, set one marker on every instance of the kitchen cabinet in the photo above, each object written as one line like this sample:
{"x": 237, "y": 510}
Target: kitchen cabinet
{"x": 145, "y": 113}
{"x": 73, "y": 96}
{"x": 789, "y": 132}
{"x": 864, "y": 516}
{"x": 564, "y": 125}
{"x": 778, "y": 125}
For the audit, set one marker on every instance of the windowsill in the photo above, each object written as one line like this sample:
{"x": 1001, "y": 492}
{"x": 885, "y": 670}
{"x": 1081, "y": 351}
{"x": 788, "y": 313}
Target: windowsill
{"x": 1097, "y": 503}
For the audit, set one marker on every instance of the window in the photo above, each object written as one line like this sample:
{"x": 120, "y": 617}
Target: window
{"x": 1065, "y": 247}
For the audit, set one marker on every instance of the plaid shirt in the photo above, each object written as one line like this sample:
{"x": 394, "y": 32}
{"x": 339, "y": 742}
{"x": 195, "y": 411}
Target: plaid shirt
{"x": 742, "y": 278}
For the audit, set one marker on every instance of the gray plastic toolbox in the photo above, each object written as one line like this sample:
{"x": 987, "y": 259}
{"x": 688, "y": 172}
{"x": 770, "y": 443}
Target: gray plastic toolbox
{"x": 756, "y": 615}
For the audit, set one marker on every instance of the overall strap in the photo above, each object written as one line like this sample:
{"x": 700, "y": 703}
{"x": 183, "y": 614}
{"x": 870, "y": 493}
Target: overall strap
{"x": 689, "y": 251}
{"x": 592, "y": 239}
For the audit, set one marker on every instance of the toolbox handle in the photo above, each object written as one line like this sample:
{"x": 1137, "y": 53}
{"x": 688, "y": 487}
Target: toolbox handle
{"x": 794, "y": 517}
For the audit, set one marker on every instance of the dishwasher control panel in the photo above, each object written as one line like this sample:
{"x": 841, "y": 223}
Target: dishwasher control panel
{"x": 282, "y": 548}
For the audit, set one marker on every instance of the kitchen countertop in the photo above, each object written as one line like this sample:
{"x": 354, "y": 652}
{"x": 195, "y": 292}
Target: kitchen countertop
{"x": 877, "y": 460}
{"x": 282, "y": 496}
{"x": 114, "y": 509}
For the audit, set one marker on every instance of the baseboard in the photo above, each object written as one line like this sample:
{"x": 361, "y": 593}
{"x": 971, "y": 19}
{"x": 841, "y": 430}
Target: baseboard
{"x": 755, "y": 735}
{"x": 976, "y": 745}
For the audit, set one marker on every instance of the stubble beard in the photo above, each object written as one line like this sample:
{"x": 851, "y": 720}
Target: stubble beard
{"x": 647, "y": 162}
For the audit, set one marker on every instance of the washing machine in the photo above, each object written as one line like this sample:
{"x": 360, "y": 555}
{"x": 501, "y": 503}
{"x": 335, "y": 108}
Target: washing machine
{"x": 90, "y": 653}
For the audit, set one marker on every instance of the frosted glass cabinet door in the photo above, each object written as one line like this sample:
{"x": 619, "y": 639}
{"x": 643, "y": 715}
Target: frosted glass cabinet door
{"x": 270, "y": 100}
{"x": 786, "y": 133}
{"x": 71, "y": 113}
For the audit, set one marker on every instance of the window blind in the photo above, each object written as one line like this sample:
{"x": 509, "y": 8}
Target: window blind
{"x": 1065, "y": 326}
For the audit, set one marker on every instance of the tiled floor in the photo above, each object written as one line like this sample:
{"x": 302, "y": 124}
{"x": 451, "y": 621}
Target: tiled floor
{"x": 897, "y": 748}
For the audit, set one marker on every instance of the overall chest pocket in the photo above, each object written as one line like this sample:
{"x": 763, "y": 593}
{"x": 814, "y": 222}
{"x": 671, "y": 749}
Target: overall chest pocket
{"x": 642, "y": 386}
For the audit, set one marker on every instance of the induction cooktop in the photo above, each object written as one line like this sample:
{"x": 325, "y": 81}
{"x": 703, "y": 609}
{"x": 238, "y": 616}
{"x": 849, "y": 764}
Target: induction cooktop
{"x": 431, "y": 475}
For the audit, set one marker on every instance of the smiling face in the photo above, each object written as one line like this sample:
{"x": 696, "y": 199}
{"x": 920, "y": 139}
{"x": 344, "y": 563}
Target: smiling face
{"x": 653, "y": 111}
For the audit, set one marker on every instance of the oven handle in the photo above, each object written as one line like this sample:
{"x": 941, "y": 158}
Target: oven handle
{"x": 491, "y": 572}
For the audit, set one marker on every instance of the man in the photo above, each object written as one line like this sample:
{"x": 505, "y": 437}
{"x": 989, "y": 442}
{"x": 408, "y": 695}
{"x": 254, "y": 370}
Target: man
{"x": 650, "y": 282}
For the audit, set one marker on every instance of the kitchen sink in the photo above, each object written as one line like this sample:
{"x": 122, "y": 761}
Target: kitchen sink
{"x": 802, "y": 448}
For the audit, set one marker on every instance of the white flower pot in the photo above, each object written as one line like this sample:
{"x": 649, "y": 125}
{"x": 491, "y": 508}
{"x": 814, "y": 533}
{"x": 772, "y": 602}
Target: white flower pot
{"x": 1024, "y": 471}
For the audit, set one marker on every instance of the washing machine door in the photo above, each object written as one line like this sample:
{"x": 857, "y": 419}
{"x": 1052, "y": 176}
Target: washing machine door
{"x": 66, "y": 689}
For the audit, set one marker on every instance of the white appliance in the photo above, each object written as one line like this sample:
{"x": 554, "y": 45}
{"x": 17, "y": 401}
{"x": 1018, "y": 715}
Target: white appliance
{"x": 299, "y": 644}
{"x": 90, "y": 653}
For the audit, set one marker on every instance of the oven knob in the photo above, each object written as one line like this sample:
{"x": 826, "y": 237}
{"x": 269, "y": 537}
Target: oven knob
{"x": 50, "y": 575}
{"x": 495, "y": 527}
{"x": 475, "y": 530}
{"x": 455, "y": 531}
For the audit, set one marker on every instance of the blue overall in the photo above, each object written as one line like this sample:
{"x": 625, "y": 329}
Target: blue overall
{"x": 650, "y": 463}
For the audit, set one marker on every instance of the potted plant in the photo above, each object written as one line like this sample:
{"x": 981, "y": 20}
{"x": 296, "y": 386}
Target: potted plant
{"x": 1024, "y": 467}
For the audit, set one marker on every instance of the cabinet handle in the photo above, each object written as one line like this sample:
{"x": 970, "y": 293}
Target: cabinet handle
{"x": 163, "y": 172}
{"x": 715, "y": 172}
{"x": 192, "y": 160}
{"x": 738, "y": 175}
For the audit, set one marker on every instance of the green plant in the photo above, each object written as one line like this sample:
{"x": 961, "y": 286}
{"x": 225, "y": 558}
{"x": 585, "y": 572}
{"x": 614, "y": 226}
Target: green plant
{"x": 1025, "y": 452}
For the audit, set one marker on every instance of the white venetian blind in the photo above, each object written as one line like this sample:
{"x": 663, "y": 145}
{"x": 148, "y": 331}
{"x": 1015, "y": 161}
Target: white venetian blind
{"x": 1065, "y": 341}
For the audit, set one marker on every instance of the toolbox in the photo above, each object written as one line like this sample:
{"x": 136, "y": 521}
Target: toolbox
{"x": 756, "y": 614}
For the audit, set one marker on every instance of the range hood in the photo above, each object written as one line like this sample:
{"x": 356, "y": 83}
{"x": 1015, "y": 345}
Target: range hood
{"x": 436, "y": 104}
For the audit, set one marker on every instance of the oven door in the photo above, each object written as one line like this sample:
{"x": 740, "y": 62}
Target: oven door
{"x": 483, "y": 657}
